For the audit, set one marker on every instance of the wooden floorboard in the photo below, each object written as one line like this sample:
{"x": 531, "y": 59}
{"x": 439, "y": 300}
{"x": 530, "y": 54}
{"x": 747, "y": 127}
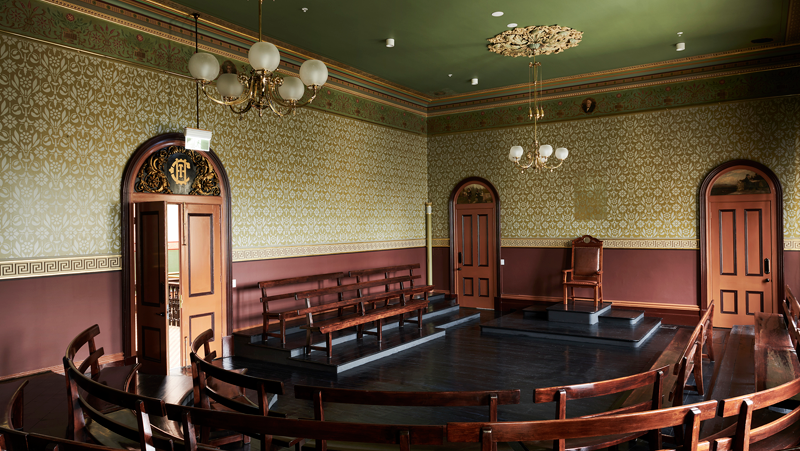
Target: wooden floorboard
{"x": 464, "y": 360}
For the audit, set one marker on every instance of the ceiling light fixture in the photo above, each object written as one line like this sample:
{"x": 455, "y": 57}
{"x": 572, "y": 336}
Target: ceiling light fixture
{"x": 474, "y": 81}
{"x": 263, "y": 89}
{"x": 497, "y": 13}
{"x": 538, "y": 157}
{"x": 390, "y": 43}
{"x": 512, "y": 25}
{"x": 681, "y": 46}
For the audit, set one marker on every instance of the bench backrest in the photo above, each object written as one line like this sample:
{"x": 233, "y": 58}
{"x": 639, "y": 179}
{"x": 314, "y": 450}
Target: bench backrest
{"x": 791, "y": 310}
{"x": 487, "y": 434}
{"x": 354, "y": 287}
{"x": 362, "y": 274}
{"x": 793, "y": 304}
{"x": 489, "y": 398}
{"x": 82, "y": 339}
{"x": 45, "y": 442}
{"x": 14, "y": 412}
{"x": 561, "y": 394}
{"x": 13, "y": 440}
{"x": 405, "y": 436}
{"x": 692, "y": 357}
{"x": 301, "y": 281}
{"x": 744, "y": 406}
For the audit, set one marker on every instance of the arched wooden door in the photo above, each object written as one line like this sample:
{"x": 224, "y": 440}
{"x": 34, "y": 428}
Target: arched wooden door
{"x": 475, "y": 243}
{"x": 176, "y": 239}
{"x": 743, "y": 239}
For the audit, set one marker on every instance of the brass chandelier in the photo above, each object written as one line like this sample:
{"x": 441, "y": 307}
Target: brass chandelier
{"x": 263, "y": 89}
{"x": 536, "y": 158}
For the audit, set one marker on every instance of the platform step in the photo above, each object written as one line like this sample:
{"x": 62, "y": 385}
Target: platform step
{"x": 624, "y": 317}
{"x": 577, "y": 312}
{"x": 599, "y": 333}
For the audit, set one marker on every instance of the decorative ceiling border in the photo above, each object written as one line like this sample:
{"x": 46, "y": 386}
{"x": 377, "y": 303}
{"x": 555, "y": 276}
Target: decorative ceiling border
{"x": 608, "y": 102}
{"x": 268, "y": 253}
{"x": 59, "y": 266}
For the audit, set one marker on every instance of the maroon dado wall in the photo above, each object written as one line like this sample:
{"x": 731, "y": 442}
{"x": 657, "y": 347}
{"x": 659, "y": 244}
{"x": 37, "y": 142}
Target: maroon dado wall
{"x": 246, "y": 295}
{"x": 41, "y": 315}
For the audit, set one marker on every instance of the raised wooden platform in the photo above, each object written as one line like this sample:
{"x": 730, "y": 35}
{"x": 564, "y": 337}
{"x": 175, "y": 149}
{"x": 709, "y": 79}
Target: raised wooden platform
{"x": 350, "y": 351}
{"x": 529, "y": 325}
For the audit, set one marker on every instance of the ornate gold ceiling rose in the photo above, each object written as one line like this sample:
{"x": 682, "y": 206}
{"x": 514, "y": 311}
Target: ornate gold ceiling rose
{"x": 535, "y": 40}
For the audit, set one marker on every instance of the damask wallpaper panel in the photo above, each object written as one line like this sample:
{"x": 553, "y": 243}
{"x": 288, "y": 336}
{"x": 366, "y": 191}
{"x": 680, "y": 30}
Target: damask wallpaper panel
{"x": 70, "y": 121}
{"x": 633, "y": 176}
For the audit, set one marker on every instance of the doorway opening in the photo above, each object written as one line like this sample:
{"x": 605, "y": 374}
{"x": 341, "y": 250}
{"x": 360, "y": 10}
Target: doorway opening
{"x": 176, "y": 235}
{"x": 475, "y": 244}
{"x": 741, "y": 242}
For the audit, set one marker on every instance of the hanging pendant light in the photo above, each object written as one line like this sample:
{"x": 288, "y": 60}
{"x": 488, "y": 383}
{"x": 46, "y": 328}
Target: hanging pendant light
{"x": 539, "y": 155}
{"x": 263, "y": 89}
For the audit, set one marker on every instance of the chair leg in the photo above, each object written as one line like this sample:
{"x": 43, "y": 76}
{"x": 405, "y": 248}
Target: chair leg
{"x": 566, "y": 287}
{"x": 596, "y": 296}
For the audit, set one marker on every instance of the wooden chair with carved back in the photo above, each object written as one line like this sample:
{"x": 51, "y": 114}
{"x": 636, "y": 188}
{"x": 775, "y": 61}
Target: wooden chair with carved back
{"x": 321, "y": 395}
{"x": 586, "y": 270}
{"x": 561, "y": 431}
{"x": 652, "y": 380}
{"x": 402, "y": 436}
{"x": 216, "y": 388}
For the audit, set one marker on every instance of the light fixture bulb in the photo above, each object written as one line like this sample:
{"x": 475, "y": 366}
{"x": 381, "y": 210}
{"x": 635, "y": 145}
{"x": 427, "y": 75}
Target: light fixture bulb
{"x": 313, "y": 73}
{"x": 545, "y": 150}
{"x": 291, "y": 89}
{"x": 390, "y": 43}
{"x": 203, "y": 66}
{"x": 264, "y": 56}
{"x": 512, "y": 25}
{"x": 561, "y": 153}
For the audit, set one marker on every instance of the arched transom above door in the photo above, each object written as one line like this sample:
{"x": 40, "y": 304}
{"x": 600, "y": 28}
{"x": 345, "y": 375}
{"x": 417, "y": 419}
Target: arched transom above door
{"x": 177, "y": 170}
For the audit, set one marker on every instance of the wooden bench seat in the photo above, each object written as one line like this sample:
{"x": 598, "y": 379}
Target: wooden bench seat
{"x": 269, "y": 303}
{"x": 554, "y": 431}
{"x": 361, "y": 317}
{"x": 775, "y": 356}
{"x": 652, "y": 381}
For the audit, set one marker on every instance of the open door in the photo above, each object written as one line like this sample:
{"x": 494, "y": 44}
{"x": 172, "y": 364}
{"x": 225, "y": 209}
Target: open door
{"x": 151, "y": 286}
{"x": 201, "y": 274}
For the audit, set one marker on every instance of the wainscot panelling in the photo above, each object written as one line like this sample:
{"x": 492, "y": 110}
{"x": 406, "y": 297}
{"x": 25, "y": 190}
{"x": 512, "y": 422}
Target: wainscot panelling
{"x": 40, "y": 316}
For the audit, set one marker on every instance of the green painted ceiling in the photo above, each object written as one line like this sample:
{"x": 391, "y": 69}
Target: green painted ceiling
{"x": 435, "y": 38}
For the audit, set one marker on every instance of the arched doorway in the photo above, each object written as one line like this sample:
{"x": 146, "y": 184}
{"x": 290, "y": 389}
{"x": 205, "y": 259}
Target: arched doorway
{"x": 475, "y": 243}
{"x": 741, "y": 241}
{"x": 176, "y": 251}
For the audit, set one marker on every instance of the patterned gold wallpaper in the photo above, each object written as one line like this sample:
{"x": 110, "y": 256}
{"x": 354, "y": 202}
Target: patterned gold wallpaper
{"x": 69, "y": 122}
{"x": 628, "y": 177}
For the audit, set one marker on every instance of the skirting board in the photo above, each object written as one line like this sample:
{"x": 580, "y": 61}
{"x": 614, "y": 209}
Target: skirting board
{"x": 60, "y": 368}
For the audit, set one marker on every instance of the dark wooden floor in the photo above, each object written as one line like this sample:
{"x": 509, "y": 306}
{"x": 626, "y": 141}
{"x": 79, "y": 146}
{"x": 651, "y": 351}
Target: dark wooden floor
{"x": 463, "y": 360}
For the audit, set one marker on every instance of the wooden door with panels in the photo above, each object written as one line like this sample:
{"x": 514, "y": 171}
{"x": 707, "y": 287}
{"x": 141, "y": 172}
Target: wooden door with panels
{"x": 475, "y": 246}
{"x": 742, "y": 229}
{"x": 176, "y": 234}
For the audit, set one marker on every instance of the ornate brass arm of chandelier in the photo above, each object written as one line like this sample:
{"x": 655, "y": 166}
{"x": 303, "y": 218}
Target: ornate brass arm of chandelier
{"x": 263, "y": 89}
{"x": 536, "y": 158}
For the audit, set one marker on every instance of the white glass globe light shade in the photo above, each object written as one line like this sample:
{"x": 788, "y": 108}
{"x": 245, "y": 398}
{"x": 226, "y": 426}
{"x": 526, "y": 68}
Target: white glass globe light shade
{"x": 313, "y": 73}
{"x": 545, "y": 150}
{"x": 516, "y": 153}
{"x": 561, "y": 153}
{"x": 228, "y": 85}
{"x": 264, "y": 56}
{"x": 203, "y": 66}
{"x": 291, "y": 89}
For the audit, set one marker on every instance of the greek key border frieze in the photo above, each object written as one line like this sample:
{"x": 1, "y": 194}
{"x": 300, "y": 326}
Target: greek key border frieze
{"x": 267, "y": 253}
{"x": 791, "y": 244}
{"x": 441, "y": 242}
{"x": 57, "y": 266}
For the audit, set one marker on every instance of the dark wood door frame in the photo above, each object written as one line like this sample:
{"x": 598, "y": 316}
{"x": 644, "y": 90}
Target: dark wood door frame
{"x": 452, "y": 208}
{"x": 704, "y": 193}
{"x": 128, "y": 179}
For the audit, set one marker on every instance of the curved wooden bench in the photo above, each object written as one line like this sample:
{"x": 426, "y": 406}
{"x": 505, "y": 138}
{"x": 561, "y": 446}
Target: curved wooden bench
{"x": 487, "y": 434}
{"x": 13, "y": 416}
{"x": 691, "y": 359}
{"x": 228, "y": 393}
{"x": 780, "y": 433}
{"x": 561, "y": 394}
{"x": 20, "y": 441}
{"x": 404, "y": 436}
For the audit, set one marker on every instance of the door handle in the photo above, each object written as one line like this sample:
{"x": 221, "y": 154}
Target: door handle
{"x": 767, "y": 266}
{"x": 160, "y": 314}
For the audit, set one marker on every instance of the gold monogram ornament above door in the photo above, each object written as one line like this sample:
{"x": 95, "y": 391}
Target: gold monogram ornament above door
{"x": 177, "y": 170}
